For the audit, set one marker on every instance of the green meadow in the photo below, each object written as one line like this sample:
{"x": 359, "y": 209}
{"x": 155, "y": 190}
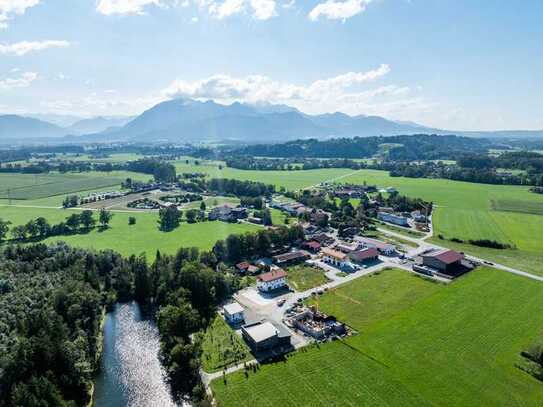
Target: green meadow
{"x": 143, "y": 237}
{"x": 419, "y": 343}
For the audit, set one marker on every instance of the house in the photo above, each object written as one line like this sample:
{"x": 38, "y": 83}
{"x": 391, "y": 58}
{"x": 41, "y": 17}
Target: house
{"x": 266, "y": 337}
{"x": 345, "y": 248}
{"x": 392, "y": 218}
{"x": 334, "y": 257}
{"x": 227, "y": 214}
{"x": 350, "y": 231}
{"x": 234, "y": 313}
{"x": 286, "y": 259}
{"x": 384, "y": 248}
{"x": 365, "y": 255}
{"x": 312, "y": 246}
{"x": 243, "y": 267}
{"x": 273, "y": 280}
{"x": 445, "y": 261}
{"x": 323, "y": 239}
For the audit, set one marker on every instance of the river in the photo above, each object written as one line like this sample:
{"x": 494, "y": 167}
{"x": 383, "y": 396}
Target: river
{"x": 131, "y": 373}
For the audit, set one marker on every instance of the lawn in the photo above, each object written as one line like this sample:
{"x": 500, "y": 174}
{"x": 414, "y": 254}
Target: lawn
{"x": 143, "y": 237}
{"x": 466, "y": 211}
{"x": 222, "y": 347}
{"x": 302, "y": 277}
{"x": 419, "y": 343}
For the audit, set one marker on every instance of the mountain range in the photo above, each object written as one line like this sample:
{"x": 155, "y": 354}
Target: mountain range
{"x": 187, "y": 120}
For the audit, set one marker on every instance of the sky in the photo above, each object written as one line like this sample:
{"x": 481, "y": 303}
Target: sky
{"x": 450, "y": 64}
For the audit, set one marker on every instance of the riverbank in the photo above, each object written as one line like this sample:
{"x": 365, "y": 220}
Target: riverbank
{"x": 99, "y": 351}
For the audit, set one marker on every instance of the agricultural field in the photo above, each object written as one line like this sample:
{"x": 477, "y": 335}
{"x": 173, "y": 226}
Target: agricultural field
{"x": 143, "y": 237}
{"x": 302, "y": 277}
{"x": 465, "y": 211}
{"x": 419, "y": 343}
{"x": 290, "y": 180}
{"x": 222, "y": 347}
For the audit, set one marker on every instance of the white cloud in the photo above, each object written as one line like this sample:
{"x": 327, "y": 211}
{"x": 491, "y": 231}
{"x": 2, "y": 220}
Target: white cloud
{"x": 23, "y": 81}
{"x": 338, "y": 10}
{"x": 263, "y": 9}
{"x": 110, "y": 7}
{"x": 339, "y": 93}
{"x": 225, "y": 9}
{"x": 8, "y": 8}
{"x": 24, "y": 47}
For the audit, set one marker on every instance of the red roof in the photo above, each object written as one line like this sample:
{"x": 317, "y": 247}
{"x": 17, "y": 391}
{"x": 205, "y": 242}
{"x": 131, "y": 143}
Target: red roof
{"x": 313, "y": 245}
{"x": 272, "y": 275}
{"x": 361, "y": 255}
{"x": 447, "y": 256}
{"x": 243, "y": 265}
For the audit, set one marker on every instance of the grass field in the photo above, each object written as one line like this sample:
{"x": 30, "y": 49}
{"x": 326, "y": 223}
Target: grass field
{"x": 465, "y": 211}
{"x": 222, "y": 347}
{"x": 143, "y": 237}
{"x": 304, "y": 277}
{"x": 420, "y": 343}
{"x": 291, "y": 180}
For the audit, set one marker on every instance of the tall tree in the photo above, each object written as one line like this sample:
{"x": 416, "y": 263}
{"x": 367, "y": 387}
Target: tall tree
{"x": 4, "y": 229}
{"x": 105, "y": 217}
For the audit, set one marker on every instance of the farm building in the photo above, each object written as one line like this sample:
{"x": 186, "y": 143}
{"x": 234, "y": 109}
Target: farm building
{"x": 334, "y": 257}
{"x": 383, "y": 248}
{"x": 272, "y": 280}
{"x": 234, "y": 313}
{"x": 265, "y": 337}
{"x": 365, "y": 255}
{"x": 289, "y": 258}
{"x": 447, "y": 262}
{"x": 227, "y": 214}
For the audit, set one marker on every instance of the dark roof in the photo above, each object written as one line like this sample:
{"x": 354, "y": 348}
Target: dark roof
{"x": 446, "y": 256}
{"x": 272, "y": 275}
{"x": 290, "y": 256}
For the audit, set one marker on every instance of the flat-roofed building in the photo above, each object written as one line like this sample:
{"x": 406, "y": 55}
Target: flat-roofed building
{"x": 234, "y": 313}
{"x": 266, "y": 337}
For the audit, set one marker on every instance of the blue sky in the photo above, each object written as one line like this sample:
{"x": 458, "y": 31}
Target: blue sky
{"x": 451, "y": 64}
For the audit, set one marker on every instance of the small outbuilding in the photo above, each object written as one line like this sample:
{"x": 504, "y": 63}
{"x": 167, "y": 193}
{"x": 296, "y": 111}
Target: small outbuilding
{"x": 234, "y": 313}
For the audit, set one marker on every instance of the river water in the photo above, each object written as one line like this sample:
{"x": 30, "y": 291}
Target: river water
{"x": 131, "y": 373}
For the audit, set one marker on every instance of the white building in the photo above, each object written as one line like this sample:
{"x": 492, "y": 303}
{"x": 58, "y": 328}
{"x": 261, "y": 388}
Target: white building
{"x": 334, "y": 257}
{"x": 275, "y": 279}
{"x": 233, "y": 313}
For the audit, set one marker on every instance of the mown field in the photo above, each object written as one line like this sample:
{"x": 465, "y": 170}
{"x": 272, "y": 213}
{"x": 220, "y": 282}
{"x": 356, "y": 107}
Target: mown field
{"x": 143, "y": 237}
{"x": 302, "y": 277}
{"x": 420, "y": 343}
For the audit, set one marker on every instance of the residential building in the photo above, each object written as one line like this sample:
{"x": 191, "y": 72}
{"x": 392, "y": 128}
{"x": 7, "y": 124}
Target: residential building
{"x": 273, "y": 280}
{"x": 226, "y": 213}
{"x": 312, "y": 246}
{"x": 392, "y": 218}
{"x": 289, "y": 258}
{"x": 234, "y": 313}
{"x": 334, "y": 257}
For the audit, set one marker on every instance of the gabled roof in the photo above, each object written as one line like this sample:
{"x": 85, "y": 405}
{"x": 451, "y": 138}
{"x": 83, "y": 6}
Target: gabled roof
{"x": 243, "y": 265}
{"x": 365, "y": 254}
{"x": 446, "y": 256}
{"x": 333, "y": 253}
{"x": 272, "y": 275}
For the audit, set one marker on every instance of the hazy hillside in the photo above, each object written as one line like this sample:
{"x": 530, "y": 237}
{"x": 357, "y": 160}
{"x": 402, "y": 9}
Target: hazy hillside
{"x": 16, "y": 127}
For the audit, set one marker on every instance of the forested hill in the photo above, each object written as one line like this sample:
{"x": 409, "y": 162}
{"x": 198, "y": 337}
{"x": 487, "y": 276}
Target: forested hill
{"x": 416, "y": 147}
